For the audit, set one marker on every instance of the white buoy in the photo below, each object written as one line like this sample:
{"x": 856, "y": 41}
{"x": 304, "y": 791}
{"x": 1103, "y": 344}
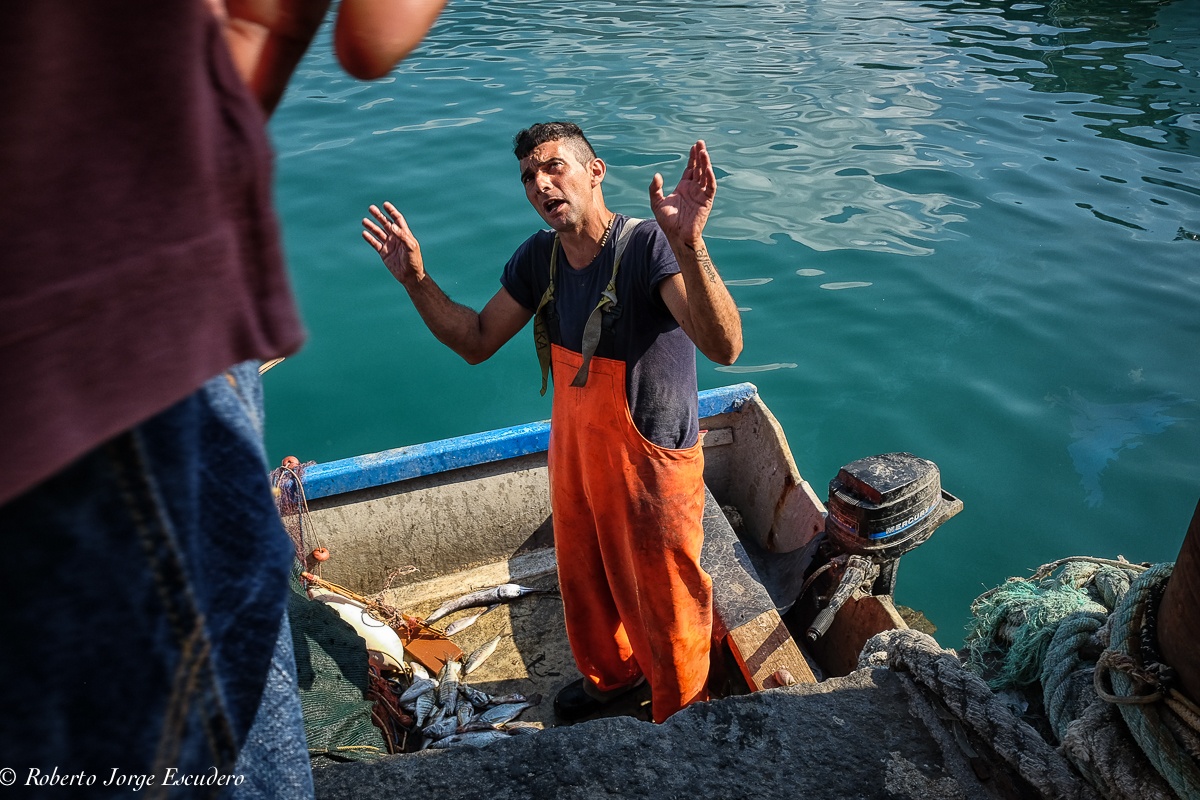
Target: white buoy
{"x": 378, "y": 635}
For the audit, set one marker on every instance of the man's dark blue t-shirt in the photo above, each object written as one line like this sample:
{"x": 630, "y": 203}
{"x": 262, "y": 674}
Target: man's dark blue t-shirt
{"x": 660, "y": 359}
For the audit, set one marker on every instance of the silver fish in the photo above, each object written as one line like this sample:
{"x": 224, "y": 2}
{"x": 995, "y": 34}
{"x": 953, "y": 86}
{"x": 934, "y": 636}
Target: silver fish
{"x": 471, "y": 738}
{"x": 508, "y": 712}
{"x": 485, "y": 597}
{"x": 505, "y": 699}
{"x": 447, "y": 692}
{"x": 416, "y": 689}
{"x": 460, "y": 625}
{"x": 426, "y": 706}
{"x": 479, "y": 655}
{"x": 518, "y": 728}
{"x": 419, "y": 671}
{"x": 477, "y": 724}
{"x": 442, "y": 728}
{"x": 465, "y": 713}
{"x": 475, "y": 697}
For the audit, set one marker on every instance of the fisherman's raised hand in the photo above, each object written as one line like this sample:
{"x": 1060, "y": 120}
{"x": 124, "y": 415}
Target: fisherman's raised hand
{"x": 684, "y": 212}
{"x": 389, "y": 234}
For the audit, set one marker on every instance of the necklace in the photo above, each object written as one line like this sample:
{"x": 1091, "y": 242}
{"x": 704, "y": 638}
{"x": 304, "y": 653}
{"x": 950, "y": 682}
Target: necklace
{"x": 607, "y": 230}
{"x": 604, "y": 239}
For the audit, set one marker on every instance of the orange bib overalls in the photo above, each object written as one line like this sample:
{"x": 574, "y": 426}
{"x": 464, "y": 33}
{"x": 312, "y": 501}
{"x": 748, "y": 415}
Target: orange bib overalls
{"x": 627, "y": 535}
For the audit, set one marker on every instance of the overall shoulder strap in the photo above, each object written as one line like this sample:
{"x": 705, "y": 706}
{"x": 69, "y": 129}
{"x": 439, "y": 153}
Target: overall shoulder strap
{"x": 591, "y": 330}
{"x": 541, "y": 336}
{"x": 622, "y": 240}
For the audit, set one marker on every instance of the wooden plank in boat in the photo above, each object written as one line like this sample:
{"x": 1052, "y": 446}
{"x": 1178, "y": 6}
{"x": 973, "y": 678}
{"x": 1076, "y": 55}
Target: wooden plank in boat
{"x": 764, "y": 646}
{"x": 746, "y": 618}
{"x": 431, "y": 648}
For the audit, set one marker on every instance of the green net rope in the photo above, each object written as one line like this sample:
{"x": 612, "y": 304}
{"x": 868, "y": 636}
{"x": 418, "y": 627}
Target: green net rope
{"x": 331, "y": 665}
{"x": 1072, "y": 630}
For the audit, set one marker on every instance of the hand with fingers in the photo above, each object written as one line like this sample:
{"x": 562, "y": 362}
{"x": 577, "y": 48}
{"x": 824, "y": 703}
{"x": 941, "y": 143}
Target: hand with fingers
{"x": 267, "y": 38}
{"x": 683, "y": 214}
{"x": 392, "y": 239}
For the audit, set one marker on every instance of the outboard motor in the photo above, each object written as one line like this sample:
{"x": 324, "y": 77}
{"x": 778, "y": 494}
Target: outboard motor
{"x": 879, "y": 507}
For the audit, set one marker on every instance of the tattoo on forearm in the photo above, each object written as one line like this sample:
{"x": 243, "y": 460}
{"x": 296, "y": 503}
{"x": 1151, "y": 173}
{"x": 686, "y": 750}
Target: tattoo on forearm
{"x": 706, "y": 264}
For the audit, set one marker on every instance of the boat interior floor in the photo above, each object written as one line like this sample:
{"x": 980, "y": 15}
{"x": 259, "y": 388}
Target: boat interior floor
{"x": 533, "y": 656}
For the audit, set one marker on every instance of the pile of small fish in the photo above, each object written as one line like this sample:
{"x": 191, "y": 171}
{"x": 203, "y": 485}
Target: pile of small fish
{"x": 446, "y": 709}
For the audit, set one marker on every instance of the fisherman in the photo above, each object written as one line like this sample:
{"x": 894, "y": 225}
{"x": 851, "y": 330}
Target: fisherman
{"x": 620, "y": 306}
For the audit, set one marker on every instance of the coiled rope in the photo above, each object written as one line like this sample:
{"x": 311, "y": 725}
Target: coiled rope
{"x": 1066, "y": 630}
{"x": 1165, "y": 724}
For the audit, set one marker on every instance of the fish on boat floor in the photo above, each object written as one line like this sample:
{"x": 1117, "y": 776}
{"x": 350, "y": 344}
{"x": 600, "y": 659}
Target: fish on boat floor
{"x": 533, "y": 655}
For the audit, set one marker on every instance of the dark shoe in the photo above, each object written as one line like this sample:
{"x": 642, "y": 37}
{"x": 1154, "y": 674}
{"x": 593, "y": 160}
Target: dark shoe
{"x": 574, "y": 701}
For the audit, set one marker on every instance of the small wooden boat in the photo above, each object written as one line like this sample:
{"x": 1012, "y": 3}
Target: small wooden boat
{"x": 433, "y": 521}
{"x": 800, "y": 586}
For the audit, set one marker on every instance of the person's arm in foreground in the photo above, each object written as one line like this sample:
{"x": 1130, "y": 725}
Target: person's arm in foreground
{"x": 268, "y": 37}
{"x": 697, "y": 297}
{"x": 473, "y": 335}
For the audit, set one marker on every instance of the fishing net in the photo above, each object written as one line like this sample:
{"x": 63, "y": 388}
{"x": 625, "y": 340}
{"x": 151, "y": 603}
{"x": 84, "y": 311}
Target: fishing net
{"x": 334, "y": 677}
{"x": 292, "y": 504}
{"x": 350, "y": 709}
{"x": 1013, "y": 624}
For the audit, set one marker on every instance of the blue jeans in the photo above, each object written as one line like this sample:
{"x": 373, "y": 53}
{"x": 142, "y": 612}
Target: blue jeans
{"x": 144, "y": 593}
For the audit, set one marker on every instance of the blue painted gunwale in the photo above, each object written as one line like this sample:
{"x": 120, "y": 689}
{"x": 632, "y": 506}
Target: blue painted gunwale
{"x": 402, "y": 463}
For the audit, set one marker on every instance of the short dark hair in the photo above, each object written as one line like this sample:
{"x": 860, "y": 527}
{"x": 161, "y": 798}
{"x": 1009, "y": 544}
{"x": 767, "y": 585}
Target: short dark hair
{"x": 534, "y": 136}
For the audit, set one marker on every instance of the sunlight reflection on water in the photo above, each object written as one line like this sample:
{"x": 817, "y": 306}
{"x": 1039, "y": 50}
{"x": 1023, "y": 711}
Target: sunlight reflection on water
{"x": 1015, "y": 187}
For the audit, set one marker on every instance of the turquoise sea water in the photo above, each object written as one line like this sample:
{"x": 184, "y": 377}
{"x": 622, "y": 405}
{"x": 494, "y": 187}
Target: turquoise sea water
{"x": 968, "y": 230}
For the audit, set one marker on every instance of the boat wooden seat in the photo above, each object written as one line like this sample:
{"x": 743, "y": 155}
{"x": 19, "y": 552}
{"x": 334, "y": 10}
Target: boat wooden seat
{"x": 746, "y": 618}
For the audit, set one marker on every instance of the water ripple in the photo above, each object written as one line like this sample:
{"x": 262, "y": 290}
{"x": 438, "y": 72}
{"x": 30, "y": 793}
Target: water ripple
{"x": 434, "y": 124}
{"x": 744, "y": 369}
{"x": 748, "y": 282}
{"x": 833, "y": 287}
{"x": 1017, "y": 181}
